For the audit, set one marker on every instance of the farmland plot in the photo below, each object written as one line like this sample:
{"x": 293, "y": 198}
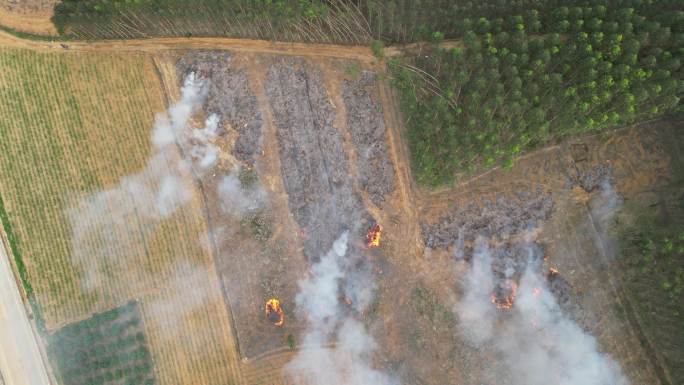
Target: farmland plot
{"x": 71, "y": 125}
{"x": 107, "y": 348}
{"x": 75, "y": 139}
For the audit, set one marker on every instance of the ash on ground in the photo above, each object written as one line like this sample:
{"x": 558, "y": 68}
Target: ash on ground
{"x": 503, "y": 217}
{"x": 314, "y": 166}
{"x": 366, "y": 125}
{"x": 506, "y": 223}
{"x": 229, "y": 97}
{"x": 592, "y": 179}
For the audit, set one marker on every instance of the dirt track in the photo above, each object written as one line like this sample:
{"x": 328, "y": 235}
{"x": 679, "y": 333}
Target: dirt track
{"x": 362, "y": 54}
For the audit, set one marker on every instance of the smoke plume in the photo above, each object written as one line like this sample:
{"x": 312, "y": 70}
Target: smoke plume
{"x": 602, "y": 210}
{"x": 336, "y": 348}
{"x": 537, "y": 342}
{"x": 111, "y": 227}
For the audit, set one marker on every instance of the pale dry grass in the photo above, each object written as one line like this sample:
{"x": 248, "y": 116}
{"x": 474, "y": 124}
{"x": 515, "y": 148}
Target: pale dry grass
{"x": 268, "y": 370}
{"x": 189, "y": 330}
{"x": 30, "y": 16}
{"x": 72, "y": 124}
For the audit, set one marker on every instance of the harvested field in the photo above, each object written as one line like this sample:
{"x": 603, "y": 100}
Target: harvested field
{"x": 74, "y": 125}
{"x": 267, "y": 370}
{"x": 189, "y": 330}
{"x": 58, "y": 147}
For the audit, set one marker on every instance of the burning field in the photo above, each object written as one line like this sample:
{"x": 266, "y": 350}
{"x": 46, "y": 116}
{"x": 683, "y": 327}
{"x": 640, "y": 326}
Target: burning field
{"x": 334, "y": 269}
{"x": 367, "y": 287}
{"x": 315, "y": 260}
{"x": 279, "y": 193}
{"x": 534, "y": 295}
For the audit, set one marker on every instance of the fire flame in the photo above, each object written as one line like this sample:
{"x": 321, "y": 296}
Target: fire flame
{"x": 504, "y": 297}
{"x": 536, "y": 291}
{"x": 274, "y": 313}
{"x": 373, "y": 236}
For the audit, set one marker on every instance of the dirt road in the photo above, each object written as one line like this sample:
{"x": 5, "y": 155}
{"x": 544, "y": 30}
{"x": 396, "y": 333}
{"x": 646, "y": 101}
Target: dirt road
{"x": 362, "y": 54}
{"x": 20, "y": 360}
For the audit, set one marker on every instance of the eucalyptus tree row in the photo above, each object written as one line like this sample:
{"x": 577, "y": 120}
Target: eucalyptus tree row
{"x": 526, "y": 80}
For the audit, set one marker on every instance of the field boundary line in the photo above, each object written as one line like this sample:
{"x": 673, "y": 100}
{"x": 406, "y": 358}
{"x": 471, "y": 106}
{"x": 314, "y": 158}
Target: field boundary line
{"x": 361, "y": 53}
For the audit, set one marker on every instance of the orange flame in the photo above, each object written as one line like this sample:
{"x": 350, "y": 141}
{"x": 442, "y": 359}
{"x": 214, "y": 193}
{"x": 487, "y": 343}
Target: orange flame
{"x": 536, "y": 291}
{"x": 505, "y": 302}
{"x": 274, "y": 313}
{"x": 373, "y": 236}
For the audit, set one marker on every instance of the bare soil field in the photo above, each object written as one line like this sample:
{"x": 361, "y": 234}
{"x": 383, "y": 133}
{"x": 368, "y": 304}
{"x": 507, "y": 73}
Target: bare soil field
{"x": 30, "y": 16}
{"x": 308, "y": 145}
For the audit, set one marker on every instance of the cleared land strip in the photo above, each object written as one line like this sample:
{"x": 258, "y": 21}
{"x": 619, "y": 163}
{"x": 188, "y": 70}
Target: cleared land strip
{"x": 359, "y": 53}
{"x": 20, "y": 360}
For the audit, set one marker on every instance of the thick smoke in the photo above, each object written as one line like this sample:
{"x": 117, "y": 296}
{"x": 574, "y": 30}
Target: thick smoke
{"x": 537, "y": 342}
{"x": 336, "y": 348}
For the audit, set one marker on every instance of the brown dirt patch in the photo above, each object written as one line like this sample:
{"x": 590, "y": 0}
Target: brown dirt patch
{"x": 30, "y": 16}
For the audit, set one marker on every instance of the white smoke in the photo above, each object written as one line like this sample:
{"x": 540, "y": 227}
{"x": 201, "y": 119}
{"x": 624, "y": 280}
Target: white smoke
{"x": 477, "y": 315}
{"x": 537, "y": 342}
{"x": 109, "y": 227}
{"x": 602, "y": 211}
{"x": 336, "y": 348}
{"x": 237, "y": 199}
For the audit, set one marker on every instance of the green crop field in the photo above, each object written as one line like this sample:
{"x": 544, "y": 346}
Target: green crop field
{"x": 107, "y": 348}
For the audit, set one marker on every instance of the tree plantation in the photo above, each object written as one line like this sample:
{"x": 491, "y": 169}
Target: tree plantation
{"x": 509, "y": 87}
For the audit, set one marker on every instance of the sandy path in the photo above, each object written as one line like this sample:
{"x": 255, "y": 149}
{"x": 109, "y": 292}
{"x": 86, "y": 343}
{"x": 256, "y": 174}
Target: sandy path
{"x": 360, "y": 53}
{"x": 20, "y": 360}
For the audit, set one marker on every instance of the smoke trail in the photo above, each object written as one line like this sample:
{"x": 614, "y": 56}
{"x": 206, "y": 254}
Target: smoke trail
{"x": 602, "y": 210}
{"x": 111, "y": 227}
{"x": 538, "y": 343}
{"x": 318, "y": 362}
{"x": 237, "y": 199}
